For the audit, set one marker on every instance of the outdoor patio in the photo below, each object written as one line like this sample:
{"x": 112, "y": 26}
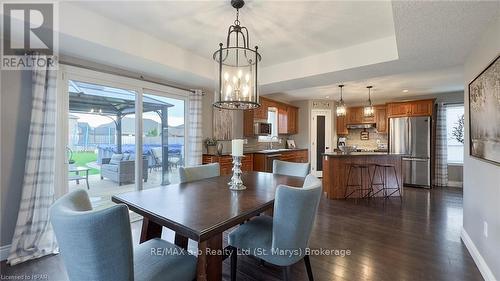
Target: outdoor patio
{"x": 101, "y": 191}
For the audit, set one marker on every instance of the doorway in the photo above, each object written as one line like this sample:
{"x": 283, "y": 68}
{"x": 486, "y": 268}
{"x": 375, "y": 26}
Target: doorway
{"x": 321, "y": 139}
{"x": 121, "y": 134}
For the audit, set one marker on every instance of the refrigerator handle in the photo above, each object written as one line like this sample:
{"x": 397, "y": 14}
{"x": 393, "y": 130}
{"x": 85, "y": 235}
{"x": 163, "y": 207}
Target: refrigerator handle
{"x": 407, "y": 136}
{"x": 410, "y": 137}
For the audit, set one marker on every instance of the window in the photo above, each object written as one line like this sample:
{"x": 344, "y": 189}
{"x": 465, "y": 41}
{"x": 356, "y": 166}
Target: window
{"x": 272, "y": 117}
{"x": 455, "y": 133}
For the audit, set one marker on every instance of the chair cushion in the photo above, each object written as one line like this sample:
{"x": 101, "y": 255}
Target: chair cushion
{"x": 110, "y": 167}
{"x": 115, "y": 159}
{"x": 126, "y": 156}
{"x": 157, "y": 259}
{"x": 253, "y": 236}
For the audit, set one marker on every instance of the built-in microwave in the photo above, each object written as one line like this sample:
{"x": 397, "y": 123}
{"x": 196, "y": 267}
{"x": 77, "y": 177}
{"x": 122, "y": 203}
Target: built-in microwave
{"x": 262, "y": 128}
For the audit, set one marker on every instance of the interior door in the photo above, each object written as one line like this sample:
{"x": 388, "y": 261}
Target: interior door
{"x": 321, "y": 139}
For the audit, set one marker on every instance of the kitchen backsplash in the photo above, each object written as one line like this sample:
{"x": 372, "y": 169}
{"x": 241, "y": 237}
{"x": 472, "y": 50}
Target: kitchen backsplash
{"x": 374, "y": 141}
{"x": 252, "y": 145}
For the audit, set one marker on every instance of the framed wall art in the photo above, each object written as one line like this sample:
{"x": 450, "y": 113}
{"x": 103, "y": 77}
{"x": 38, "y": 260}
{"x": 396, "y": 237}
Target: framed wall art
{"x": 484, "y": 114}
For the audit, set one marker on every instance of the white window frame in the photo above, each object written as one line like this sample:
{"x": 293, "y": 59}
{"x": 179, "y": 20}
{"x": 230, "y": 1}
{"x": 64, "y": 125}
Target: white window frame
{"x": 449, "y": 106}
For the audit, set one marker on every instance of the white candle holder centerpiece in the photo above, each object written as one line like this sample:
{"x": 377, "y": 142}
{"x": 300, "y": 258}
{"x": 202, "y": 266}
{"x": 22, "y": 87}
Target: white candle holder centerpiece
{"x": 237, "y": 152}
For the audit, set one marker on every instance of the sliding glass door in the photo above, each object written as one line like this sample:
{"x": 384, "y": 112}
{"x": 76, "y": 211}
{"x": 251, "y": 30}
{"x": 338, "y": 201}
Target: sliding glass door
{"x": 164, "y": 130}
{"x": 122, "y": 134}
{"x": 101, "y": 139}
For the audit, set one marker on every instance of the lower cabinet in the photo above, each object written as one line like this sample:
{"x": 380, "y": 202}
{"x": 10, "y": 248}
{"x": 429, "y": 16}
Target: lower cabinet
{"x": 263, "y": 162}
{"x": 226, "y": 162}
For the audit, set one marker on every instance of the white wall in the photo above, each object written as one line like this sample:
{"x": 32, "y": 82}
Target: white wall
{"x": 481, "y": 179}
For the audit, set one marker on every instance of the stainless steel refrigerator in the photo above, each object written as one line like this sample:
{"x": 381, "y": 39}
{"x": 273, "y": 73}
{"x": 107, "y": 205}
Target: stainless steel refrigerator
{"x": 411, "y": 137}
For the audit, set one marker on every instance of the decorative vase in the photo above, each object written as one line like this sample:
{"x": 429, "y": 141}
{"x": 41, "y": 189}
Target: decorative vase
{"x": 211, "y": 149}
{"x": 220, "y": 146}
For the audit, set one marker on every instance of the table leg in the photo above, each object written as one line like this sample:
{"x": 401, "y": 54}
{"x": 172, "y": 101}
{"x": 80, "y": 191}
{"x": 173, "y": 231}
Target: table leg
{"x": 181, "y": 241}
{"x": 210, "y": 259}
{"x": 149, "y": 230}
{"x": 77, "y": 174}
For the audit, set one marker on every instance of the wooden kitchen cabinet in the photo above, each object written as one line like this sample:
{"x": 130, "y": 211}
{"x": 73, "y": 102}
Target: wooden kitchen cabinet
{"x": 341, "y": 126}
{"x": 287, "y": 117}
{"x": 381, "y": 119}
{"x": 399, "y": 109}
{"x": 354, "y": 115}
{"x": 410, "y": 108}
{"x": 226, "y": 162}
{"x": 263, "y": 161}
{"x": 293, "y": 120}
{"x": 282, "y": 120}
{"x": 261, "y": 112}
{"x": 422, "y": 108}
{"x": 248, "y": 129}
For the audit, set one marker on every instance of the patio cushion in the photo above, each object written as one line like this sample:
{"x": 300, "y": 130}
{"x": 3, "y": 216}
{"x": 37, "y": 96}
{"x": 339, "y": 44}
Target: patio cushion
{"x": 115, "y": 159}
{"x": 126, "y": 156}
{"x": 110, "y": 167}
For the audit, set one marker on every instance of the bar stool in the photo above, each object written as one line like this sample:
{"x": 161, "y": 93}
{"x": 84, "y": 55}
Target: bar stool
{"x": 361, "y": 186}
{"x": 383, "y": 170}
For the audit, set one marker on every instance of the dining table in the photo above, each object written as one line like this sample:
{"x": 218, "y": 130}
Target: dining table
{"x": 202, "y": 210}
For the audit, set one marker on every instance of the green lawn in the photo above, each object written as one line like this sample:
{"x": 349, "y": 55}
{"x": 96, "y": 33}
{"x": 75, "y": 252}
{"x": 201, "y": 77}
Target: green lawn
{"x": 82, "y": 158}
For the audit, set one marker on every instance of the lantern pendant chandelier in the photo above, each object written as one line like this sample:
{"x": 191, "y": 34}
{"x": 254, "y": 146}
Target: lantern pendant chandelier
{"x": 368, "y": 110}
{"x": 341, "y": 110}
{"x": 237, "y": 64}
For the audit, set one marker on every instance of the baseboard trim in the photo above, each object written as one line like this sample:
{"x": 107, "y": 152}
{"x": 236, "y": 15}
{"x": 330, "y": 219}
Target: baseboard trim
{"x": 476, "y": 256}
{"x": 455, "y": 184}
{"x": 4, "y": 252}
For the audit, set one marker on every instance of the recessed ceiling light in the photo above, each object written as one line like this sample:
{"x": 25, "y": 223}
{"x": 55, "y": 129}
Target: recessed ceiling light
{"x": 327, "y": 97}
{"x": 405, "y": 91}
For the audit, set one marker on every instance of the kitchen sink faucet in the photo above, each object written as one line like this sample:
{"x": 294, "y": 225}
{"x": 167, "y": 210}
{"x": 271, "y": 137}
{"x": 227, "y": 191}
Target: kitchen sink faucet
{"x": 271, "y": 142}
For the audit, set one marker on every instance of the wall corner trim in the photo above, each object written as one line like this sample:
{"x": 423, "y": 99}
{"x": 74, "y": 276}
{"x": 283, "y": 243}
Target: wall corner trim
{"x": 4, "y": 252}
{"x": 476, "y": 256}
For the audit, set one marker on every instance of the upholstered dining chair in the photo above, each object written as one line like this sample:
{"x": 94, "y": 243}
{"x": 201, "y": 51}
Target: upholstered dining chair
{"x": 291, "y": 168}
{"x": 194, "y": 173}
{"x": 97, "y": 245}
{"x": 281, "y": 240}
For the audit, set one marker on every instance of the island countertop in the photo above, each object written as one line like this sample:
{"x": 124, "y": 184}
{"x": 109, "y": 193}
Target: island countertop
{"x": 336, "y": 170}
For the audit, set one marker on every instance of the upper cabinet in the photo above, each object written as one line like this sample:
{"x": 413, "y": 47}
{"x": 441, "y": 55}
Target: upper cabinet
{"x": 261, "y": 112}
{"x": 293, "y": 120}
{"x": 287, "y": 117}
{"x": 410, "y": 108}
{"x": 342, "y": 125}
{"x": 381, "y": 118}
{"x": 354, "y": 115}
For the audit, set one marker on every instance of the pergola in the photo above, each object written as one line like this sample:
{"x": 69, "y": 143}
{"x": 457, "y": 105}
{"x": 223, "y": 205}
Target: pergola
{"x": 116, "y": 103}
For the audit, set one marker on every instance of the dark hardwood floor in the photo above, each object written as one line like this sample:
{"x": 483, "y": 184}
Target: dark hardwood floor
{"x": 418, "y": 239}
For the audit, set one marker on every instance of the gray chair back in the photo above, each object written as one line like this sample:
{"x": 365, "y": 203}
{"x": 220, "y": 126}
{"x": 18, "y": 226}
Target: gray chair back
{"x": 294, "y": 213}
{"x": 290, "y": 168}
{"x": 195, "y": 173}
{"x": 94, "y": 244}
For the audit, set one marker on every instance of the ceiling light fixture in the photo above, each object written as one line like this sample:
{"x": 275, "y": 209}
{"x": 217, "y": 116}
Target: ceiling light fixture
{"x": 368, "y": 110}
{"x": 405, "y": 91}
{"x": 237, "y": 66}
{"x": 341, "y": 110}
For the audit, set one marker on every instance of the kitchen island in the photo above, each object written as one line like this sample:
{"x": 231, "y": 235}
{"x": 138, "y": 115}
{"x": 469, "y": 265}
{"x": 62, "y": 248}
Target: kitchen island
{"x": 336, "y": 166}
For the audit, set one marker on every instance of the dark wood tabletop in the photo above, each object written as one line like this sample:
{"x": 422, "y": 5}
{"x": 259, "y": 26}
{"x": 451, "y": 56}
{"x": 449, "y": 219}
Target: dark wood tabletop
{"x": 202, "y": 210}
